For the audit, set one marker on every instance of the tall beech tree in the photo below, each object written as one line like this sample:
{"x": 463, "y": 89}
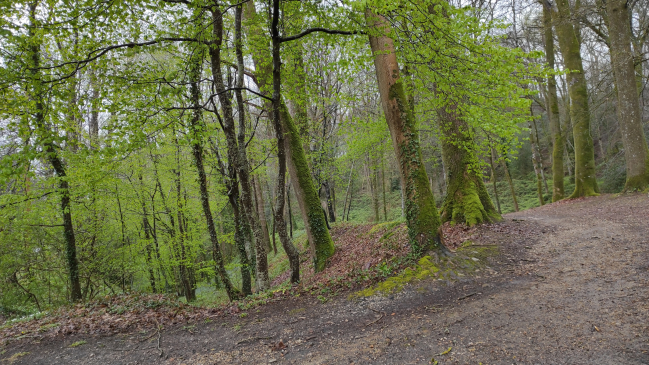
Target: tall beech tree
{"x": 585, "y": 178}
{"x": 37, "y": 89}
{"x": 197, "y": 138}
{"x": 236, "y": 154}
{"x": 421, "y": 213}
{"x": 291, "y": 144}
{"x": 467, "y": 200}
{"x": 636, "y": 152}
{"x": 558, "y": 136}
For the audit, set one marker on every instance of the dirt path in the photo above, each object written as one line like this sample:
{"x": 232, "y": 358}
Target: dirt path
{"x": 574, "y": 293}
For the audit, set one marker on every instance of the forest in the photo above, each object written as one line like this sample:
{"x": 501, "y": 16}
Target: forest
{"x": 202, "y": 148}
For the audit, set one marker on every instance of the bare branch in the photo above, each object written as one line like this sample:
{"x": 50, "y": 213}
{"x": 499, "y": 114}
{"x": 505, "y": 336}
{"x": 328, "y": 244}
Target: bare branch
{"x": 317, "y": 29}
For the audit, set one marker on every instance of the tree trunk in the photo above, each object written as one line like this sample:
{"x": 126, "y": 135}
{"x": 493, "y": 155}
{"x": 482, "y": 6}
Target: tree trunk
{"x": 347, "y": 193}
{"x": 540, "y": 155}
{"x": 328, "y": 199}
{"x": 385, "y": 205}
{"x": 493, "y": 178}
{"x": 197, "y": 151}
{"x": 44, "y": 134}
{"x": 291, "y": 251}
{"x": 467, "y": 200}
{"x": 558, "y": 137}
{"x": 243, "y": 165}
{"x": 93, "y": 124}
{"x": 512, "y": 190}
{"x": 374, "y": 191}
{"x": 261, "y": 212}
{"x": 147, "y": 236}
{"x": 236, "y": 145}
{"x": 537, "y": 167}
{"x": 290, "y": 211}
{"x": 351, "y": 196}
{"x": 629, "y": 114}
{"x": 307, "y": 196}
{"x": 185, "y": 288}
{"x": 536, "y": 156}
{"x": 421, "y": 213}
{"x": 585, "y": 179}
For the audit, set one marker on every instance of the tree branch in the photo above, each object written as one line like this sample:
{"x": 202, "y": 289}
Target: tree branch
{"x": 318, "y": 29}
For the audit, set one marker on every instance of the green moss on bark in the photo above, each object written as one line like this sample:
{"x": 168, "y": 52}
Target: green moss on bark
{"x": 638, "y": 182}
{"x": 585, "y": 179}
{"x": 467, "y": 200}
{"x": 322, "y": 243}
{"x": 422, "y": 216}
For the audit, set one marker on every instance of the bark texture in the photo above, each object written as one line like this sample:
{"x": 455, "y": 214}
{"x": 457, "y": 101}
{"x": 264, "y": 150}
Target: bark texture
{"x": 267, "y": 76}
{"x": 558, "y": 138}
{"x": 585, "y": 179}
{"x": 45, "y": 137}
{"x": 467, "y": 200}
{"x": 236, "y": 151}
{"x": 629, "y": 115}
{"x": 197, "y": 152}
{"x": 422, "y": 216}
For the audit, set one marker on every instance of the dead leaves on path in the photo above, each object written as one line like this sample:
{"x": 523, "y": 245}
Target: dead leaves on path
{"x": 455, "y": 235}
{"x": 109, "y": 315}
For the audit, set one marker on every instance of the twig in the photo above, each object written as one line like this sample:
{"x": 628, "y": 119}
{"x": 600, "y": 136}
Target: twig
{"x": 467, "y": 296}
{"x": 154, "y": 333}
{"x": 158, "y": 343}
{"x": 376, "y": 320}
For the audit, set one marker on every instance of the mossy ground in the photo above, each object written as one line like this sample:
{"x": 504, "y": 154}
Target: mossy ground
{"x": 466, "y": 261}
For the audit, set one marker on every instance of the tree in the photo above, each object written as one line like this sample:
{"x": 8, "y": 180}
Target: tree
{"x": 467, "y": 200}
{"x": 46, "y": 138}
{"x": 636, "y": 152}
{"x": 195, "y": 71}
{"x": 421, "y": 213}
{"x": 558, "y": 137}
{"x": 585, "y": 179}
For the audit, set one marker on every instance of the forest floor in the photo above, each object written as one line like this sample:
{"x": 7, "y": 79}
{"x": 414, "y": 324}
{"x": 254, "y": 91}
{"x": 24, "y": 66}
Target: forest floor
{"x": 568, "y": 286}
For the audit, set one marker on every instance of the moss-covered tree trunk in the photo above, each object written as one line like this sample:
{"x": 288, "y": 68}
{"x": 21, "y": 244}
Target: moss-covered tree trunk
{"x": 320, "y": 241}
{"x": 236, "y": 144}
{"x": 261, "y": 211}
{"x": 195, "y": 70}
{"x": 629, "y": 114}
{"x": 385, "y": 201}
{"x": 44, "y": 136}
{"x": 308, "y": 200}
{"x": 422, "y": 217}
{"x": 243, "y": 165}
{"x": 585, "y": 179}
{"x": 467, "y": 200}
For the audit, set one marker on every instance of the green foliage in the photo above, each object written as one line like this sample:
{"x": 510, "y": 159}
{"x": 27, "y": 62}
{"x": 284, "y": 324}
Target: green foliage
{"x": 525, "y": 192}
{"x": 135, "y": 202}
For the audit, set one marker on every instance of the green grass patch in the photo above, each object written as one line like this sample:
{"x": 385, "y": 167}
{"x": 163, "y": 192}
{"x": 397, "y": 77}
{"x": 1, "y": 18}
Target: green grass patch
{"x": 78, "y": 343}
